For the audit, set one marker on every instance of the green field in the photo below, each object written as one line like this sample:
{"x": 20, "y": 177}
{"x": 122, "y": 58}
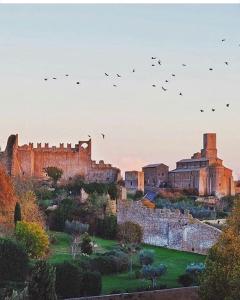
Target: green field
{"x": 176, "y": 262}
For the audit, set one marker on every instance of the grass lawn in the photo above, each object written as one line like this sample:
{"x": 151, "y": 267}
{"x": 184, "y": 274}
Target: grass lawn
{"x": 176, "y": 262}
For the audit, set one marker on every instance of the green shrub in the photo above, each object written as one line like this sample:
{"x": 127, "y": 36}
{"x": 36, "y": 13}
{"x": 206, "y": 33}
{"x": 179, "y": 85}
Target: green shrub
{"x": 33, "y": 238}
{"x": 17, "y": 213}
{"x": 86, "y": 245}
{"x": 42, "y": 283}
{"x": 92, "y": 283}
{"x": 185, "y": 279}
{"x": 13, "y": 261}
{"x": 107, "y": 228}
{"x": 68, "y": 280}
{"x": 146, "y": 257}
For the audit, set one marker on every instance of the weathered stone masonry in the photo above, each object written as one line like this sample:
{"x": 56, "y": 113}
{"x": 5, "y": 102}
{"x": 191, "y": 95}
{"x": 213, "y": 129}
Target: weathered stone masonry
{"x": 30, "y": 161}
{"x": 172, "y": 229}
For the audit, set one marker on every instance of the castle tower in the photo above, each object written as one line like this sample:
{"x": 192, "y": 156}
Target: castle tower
{"x": 209, "y": 146}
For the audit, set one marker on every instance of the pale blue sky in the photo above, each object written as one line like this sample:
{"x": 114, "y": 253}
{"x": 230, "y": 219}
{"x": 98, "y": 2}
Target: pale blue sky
{"x": 142, "y": 124}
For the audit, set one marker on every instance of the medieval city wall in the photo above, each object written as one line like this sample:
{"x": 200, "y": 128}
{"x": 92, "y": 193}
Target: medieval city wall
{"x": 171, "y": 229}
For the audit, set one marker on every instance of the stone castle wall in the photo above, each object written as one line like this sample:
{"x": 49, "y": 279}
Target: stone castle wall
{"x": 30, "y": 161}
{"x": 171, "y": 229}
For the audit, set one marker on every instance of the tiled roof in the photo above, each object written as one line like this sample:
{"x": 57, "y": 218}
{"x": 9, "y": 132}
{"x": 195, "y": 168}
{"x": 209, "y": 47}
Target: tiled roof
{"x": 154, "y": 165}
{"x": 150, "y": 196}
{"x": 193, "y": 159}
{"x": 184, "y": 170}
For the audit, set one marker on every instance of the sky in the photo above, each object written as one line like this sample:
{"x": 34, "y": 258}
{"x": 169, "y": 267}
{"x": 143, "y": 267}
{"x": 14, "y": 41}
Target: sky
{"x": 142, "y": 124}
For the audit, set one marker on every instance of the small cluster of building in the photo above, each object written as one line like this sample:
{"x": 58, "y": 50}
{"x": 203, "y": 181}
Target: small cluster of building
{"x": 203, "y": 173}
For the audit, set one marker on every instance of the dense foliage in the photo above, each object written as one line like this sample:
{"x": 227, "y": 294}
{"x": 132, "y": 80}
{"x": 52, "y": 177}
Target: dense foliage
{"x": 13, "y": 261}
{"x": 33, "y": 238}
{"x": 107, "y": 227}
{"x": 86, "y": 244}
{"x": 54, "y": 173}
{"x": 17, "y": 213}
{"x": 220, "y": 280}
{"x": 129, "y": 232}
{"x": 146, "y": 257}
{"x": 42, "y": 282}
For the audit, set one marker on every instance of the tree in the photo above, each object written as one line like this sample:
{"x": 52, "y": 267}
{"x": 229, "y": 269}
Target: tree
{"x": 220, "y": 280}
{"x": 92, "y": 283}
{"x": 86, "y": 244}
{"x": 33, "y": 238}
{"x": 17, "y": 213}
{"x": 13, "y": 261}
{"x": 68, "y": 280}
{"x": 42, "y": 282}
{"x": 194, "y": 270}
{"x": 185, "y": 279}
{"x": 129, "y": 232}
{"x": 153, "y": 273}
{"x": 146, "y": 257}
{"x": 54, "y": 173}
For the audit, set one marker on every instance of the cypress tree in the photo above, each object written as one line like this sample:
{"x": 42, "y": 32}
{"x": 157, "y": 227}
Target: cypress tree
{"x": 17, "y": 213}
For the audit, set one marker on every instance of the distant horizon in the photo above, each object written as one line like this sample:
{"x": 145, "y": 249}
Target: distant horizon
{"x": 147, "y": 114}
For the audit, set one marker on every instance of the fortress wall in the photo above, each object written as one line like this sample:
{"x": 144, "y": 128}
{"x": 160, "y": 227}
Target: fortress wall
{"x": 172, "y": 229}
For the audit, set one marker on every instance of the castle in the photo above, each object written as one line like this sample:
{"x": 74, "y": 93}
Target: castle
{"x": 204, "y": 173}
{"x": 30, "y": 161}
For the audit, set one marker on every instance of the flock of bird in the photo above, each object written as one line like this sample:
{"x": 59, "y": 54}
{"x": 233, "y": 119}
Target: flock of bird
{"x": 155, "y": 61}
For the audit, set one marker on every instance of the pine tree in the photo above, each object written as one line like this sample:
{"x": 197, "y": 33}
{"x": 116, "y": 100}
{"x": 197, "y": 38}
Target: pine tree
{"x": 17, "y": 213}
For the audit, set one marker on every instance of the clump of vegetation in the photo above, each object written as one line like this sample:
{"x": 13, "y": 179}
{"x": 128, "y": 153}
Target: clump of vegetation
{"x": 42, "y": 282}
{"x": 107, "y": 227}
{"x": 129, "y": 232}
{"x": 54, "y": 173}
{"x": 86, "y": 244}
{"x": 153, "y": 273}
{"x": 220, "y": 280}
{"x": 146, "y": 257}
{"x": 33, "y": 238}
{"x": 17, "y": 213}
{"x": 13, "y": 261}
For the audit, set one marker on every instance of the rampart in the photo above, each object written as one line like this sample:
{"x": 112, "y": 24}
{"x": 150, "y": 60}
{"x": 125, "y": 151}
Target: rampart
{"x": 171, "y": 229}
{"x": 30, "y": 161}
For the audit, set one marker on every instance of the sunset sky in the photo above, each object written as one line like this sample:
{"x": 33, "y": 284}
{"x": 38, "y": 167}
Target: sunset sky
{"x": 142, "y": 124}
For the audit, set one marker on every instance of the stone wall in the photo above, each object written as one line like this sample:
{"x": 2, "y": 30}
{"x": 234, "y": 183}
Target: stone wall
{"x": 171, "y": 229}
{"x": 30, "y": 161}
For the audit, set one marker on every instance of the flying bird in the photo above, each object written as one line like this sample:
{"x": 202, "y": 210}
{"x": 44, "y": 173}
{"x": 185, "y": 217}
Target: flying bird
{"x": 54, "y": 78}
{"x": 153, "y": 85}
{"x": 133, "y": 70}
{"x": 153, "y": 65}
{"x": 166, "y": 80}
{"x": 210, "y": 69}
{"x": 173, "y": 75}
{"x": 227, "y": 104}
{"x": 114, "y": 85}
{"x": 77, "y": 82}
{"x": 45, "y": 79}
{"x": 66, "y": 75}
{"x": 106, "y": 74}
{"x": 201, "y": 110}
{"x": 184, "y": 65}
{"x": 226, "y": 63}
{"x": 213, "y": 109}
{"x": 159, "y": 62}
{"x": 153, "y": 57}
{"x": 89, "y": 136}
{"x": 103, "y": 135}
{"x": 223, "y": 40}
{"x": 119, "y": 75}
{"x": 180, "y": 94}
{"x": 163, "y": 88}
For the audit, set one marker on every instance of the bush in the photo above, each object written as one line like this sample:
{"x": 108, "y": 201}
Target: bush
{"x": 68, "y": 280}
{"x": 129, "y": 232}
{"x": 42, "y": 283}
{"x": 138, "y": 195}
{"x": 86, "y": 245}
{"x": 146, "y": 257}
{"x": 92, "y": 283}
{"x": 110, "y": 262}
{"x": 33, "y": 238}
{"x": 107, "y": 228}
{"x": 13, "y": 261}
{"x": 185, "y": 279}
{"x": 194, "y": 270}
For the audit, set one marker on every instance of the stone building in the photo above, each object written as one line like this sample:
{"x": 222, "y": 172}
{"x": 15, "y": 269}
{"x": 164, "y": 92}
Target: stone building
{"x": 155, "y": 175}
{"x": 134, "y": 181}
{"x": 203, "y": 172}
{"x": 30, "y": 161}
